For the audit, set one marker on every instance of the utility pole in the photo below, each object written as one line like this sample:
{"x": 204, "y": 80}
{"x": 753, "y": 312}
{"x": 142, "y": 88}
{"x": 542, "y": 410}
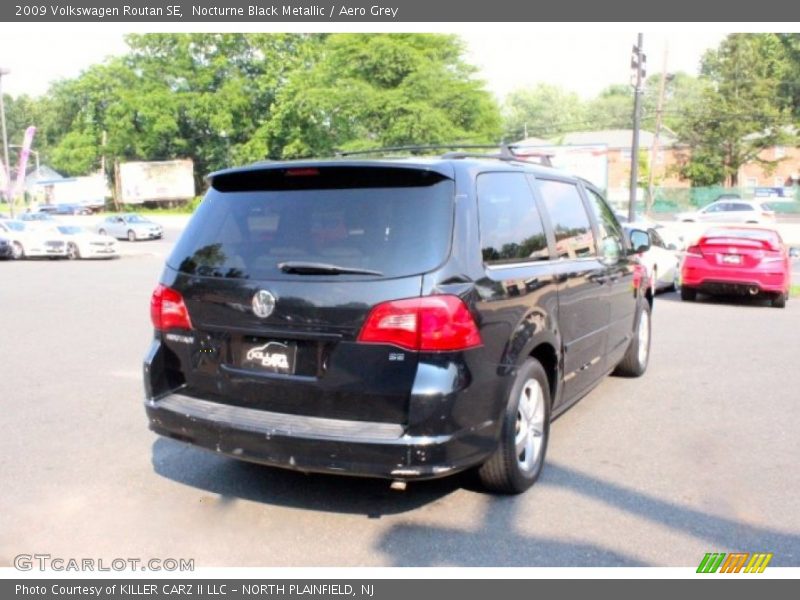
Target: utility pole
{"x": 638, "y": 66}
{"x": 5, "y": 143}
{"x": 659, "y": 115}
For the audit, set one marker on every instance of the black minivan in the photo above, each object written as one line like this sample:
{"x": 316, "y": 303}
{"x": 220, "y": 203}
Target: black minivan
{"x": 398, "y": 318}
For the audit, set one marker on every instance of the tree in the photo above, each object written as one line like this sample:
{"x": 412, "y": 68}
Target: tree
{"x": 741, "y": 111}
{"x": 364, "y": 91}
{"x": 612, "y": 109}
{"x": 544, "y": 110}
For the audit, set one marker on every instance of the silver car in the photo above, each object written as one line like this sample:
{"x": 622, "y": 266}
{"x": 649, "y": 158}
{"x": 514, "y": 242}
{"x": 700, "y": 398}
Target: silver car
{"x": 130, "y": 227}
{"x": 730, "y": 210}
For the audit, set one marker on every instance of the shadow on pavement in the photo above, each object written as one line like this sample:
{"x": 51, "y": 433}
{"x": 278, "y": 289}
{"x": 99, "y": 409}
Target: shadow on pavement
{"x": 496, "y": 541}
{"x": 233, "y": 479}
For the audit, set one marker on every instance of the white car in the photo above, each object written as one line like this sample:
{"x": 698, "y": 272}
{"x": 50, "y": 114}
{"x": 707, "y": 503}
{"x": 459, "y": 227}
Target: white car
{"x": 82, "y": 243}
{"x": 731, "y": 210}
{"x": 661, "y": 261}
{"x": 27, "y": 242}
{"x": 130, "y": 227}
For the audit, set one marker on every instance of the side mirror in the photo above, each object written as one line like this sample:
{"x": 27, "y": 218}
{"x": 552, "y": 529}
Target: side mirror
{"x": 640, "y": 241}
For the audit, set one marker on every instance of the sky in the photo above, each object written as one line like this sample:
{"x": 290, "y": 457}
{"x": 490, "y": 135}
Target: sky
{"x": 582, "y": 59}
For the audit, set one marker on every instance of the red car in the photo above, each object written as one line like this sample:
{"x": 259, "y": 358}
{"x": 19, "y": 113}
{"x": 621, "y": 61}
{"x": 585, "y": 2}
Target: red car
{"x": 737, "y": 260}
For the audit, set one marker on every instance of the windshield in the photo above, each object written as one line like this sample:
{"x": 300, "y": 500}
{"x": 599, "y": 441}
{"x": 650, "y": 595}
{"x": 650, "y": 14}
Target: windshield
{"x": 15, "y": 225}
{"x": 395, "y": 231}
{"x": 136, "y": 219}
{"x": 69, "y": 229}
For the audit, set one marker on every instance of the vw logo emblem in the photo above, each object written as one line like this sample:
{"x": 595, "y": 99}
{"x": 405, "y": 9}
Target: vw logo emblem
{"x": 263, "y": 303}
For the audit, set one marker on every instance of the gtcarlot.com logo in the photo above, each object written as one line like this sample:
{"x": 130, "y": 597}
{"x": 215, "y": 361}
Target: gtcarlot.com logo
{"x": 736, "y": 562}
{"x": 47, "y": 562}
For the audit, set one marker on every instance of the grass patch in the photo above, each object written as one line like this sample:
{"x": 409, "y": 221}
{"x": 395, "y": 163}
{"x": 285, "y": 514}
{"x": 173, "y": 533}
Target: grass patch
{"x": 795, "y": 290}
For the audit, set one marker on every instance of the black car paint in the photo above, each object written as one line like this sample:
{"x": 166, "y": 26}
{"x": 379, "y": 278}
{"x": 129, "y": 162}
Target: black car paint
{"x": 576, "y": 316}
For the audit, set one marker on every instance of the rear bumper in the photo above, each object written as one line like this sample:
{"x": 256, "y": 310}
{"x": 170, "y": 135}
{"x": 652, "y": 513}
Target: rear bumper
{"x": 727, "y": 281}
{"x": 314, "y": 444}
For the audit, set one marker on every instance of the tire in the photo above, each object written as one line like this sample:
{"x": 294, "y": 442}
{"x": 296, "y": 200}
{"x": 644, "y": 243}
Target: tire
{"x": 101, "y": 231}
{"x": 509, "y": 470}
{"x": 73, "y": 252}
{"x": 131, "y": 235}
{"x": 688, "y": 294}
{"x": 779, "y": 300}
{"x": 637, "y": 356}
{"x": 17, "y": 251}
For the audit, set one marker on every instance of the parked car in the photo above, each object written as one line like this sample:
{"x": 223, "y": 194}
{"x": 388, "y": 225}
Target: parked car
{"x": 130, "y": 227}
{"x": 672, "y": 238}
{"x": 662, "y": 263}
{"x": 744, "y": 261}
{"x": 82, "y": 243}
{"x": 37, "y": 219}
{"x": 65, "y": 209}
{"x": 403, "y": 319}
{"x": 27, "y": 241}
{"x": 731, "y": 211}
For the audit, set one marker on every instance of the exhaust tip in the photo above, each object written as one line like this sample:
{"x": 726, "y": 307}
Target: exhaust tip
{"x": 754, "y": 291}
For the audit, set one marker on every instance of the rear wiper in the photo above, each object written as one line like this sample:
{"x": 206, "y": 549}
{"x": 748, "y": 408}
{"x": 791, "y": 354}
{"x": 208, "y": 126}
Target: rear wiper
{"x": 314, "y": 268}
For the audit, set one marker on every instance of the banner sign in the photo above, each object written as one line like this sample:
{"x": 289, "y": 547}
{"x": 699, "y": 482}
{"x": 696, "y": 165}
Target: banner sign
{"x": 23, "y": 160}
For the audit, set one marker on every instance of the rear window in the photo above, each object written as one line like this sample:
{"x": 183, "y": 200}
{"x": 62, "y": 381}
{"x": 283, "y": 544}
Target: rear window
{"x": 247, "y": 233}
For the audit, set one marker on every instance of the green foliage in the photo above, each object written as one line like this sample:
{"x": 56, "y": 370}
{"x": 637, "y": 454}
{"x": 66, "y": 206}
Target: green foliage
{"x": 542, "y": 111}
{"x": 363, "y": 91}
{"x": 222, "y": 99}
{"x": 741, "y": 111}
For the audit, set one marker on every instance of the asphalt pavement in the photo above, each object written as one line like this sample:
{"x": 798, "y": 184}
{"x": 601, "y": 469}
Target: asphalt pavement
{"x": 699, "y": 455}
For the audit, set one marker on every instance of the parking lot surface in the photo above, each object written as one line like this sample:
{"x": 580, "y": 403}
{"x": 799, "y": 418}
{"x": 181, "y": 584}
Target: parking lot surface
{"x": 699, "y": 455}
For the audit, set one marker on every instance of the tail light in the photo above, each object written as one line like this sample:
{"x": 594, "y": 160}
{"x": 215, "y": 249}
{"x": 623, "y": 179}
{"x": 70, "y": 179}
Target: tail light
{"x": 695, "y": 251}
{"x": 167, "y": 310}
{"x": 430, "y": 324}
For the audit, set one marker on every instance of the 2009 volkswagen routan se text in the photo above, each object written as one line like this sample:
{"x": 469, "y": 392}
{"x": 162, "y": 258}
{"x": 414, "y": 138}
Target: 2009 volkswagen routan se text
{"x": 404, "y": 319}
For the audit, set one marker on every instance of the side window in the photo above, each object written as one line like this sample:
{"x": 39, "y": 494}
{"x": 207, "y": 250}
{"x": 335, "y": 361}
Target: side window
{"x": 656, "y": 239}
{"x": 608, "y": 227}
{"x": 573, "y": 230}
{"x": 510, "y": 225}
{"x": 738, "y": 206}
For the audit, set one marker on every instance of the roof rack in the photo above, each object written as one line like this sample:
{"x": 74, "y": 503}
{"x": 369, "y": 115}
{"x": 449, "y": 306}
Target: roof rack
{"x": 506, "y": 152}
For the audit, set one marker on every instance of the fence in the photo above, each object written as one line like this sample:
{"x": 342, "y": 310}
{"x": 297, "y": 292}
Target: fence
{"x": 672, "y": 200}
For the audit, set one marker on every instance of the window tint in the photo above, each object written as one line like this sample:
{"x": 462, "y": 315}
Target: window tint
{"x": 738, "y": 206}
{"x": 510, "y": 224}
{"x": 574, "y": 237}
{"x": 397, "y": 231}
{"x": 609, "y": 229}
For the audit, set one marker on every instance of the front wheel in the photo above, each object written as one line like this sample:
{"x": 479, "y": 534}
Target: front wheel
{"x": 73, "y": 252}
{"x": 519, "y": 458}
{"x": 131, "y": 235}
{"x": 637, "y": 356}
{"x": 17, "y": 251}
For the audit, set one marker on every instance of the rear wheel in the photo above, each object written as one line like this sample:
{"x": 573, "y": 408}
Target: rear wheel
{"x": 17, "y": 251}
{"x": 779, "y": 300}
{"x": 101, "y": 231}
{"x": 636, "y": 358}
{"x": 519, "y": 458}
{"x": 688, "y": 294}
{"x": 131, "y": 235}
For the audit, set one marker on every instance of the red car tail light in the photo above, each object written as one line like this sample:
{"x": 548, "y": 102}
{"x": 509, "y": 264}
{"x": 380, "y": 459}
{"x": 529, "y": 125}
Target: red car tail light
{"x": 694, "y": 251}
{"x": 429, "y": 324}
{"x": 167, "y": 310}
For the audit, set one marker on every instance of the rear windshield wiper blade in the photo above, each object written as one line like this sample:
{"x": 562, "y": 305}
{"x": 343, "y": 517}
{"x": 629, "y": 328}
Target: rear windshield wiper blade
{"x": 314, "y": 268}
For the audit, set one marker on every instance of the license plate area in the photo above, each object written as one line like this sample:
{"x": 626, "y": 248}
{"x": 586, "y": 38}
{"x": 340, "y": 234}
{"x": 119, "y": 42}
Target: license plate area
{"x": 268, "y": 355}
{"x": 731, "y": 259}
